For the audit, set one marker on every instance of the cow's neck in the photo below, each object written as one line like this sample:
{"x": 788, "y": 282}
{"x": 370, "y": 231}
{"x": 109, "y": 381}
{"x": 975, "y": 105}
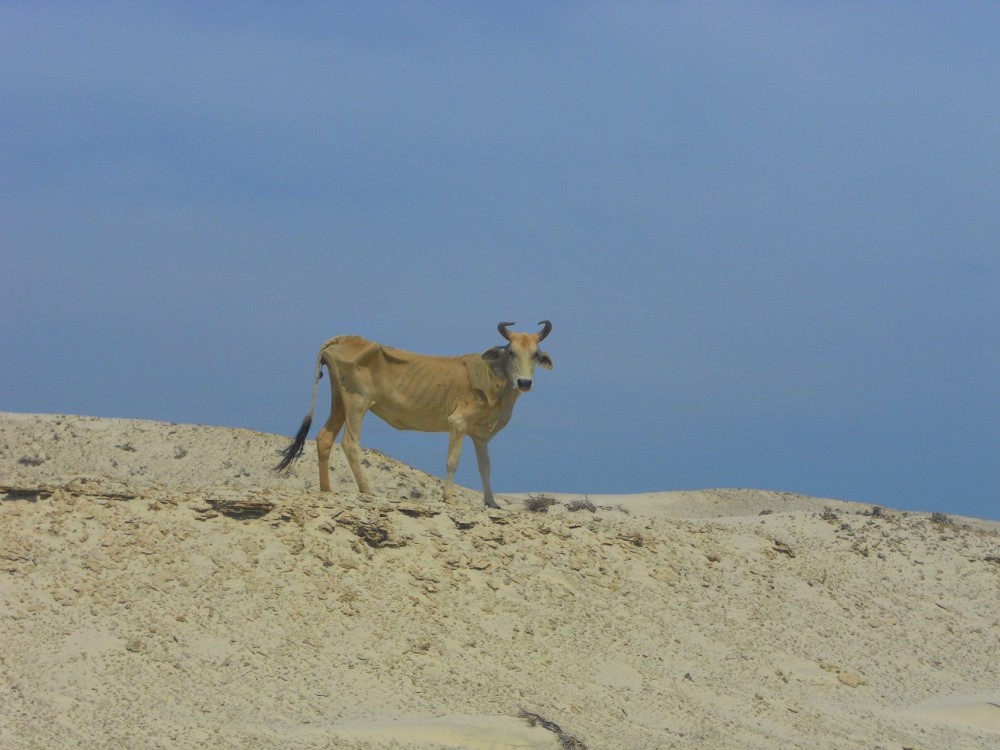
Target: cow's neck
{"x": 501, "y": 409}
{"x": 505, "y": 407}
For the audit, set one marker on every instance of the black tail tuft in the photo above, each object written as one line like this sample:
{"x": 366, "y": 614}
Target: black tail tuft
{"x": 294, "y": 450}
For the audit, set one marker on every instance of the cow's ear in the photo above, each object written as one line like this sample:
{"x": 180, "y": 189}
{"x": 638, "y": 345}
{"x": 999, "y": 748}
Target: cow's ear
{"x": 543, "y": 359}
{"x": 495, "y": 353}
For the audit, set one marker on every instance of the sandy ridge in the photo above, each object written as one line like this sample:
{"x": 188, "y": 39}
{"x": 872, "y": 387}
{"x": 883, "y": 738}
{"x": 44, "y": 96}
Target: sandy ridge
{"x": 161, "y": 588}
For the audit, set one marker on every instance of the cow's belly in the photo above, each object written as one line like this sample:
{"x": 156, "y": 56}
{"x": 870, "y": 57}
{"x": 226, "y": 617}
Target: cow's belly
{"x": 408, "y": 420}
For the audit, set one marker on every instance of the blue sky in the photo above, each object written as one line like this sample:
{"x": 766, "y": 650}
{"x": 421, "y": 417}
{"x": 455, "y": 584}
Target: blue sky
{"x": 767, "y": 234}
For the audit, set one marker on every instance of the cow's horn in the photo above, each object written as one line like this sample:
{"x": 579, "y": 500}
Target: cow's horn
{"x": 546, "y": 330}
{"x": 503, "y": 330}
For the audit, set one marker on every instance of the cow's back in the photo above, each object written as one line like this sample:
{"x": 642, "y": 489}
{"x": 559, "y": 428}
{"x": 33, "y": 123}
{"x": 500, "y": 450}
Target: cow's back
{"x": 409, "y": 391}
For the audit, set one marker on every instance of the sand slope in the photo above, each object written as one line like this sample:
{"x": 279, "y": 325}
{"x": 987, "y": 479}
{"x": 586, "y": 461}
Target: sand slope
{"x": 160, "y": 588}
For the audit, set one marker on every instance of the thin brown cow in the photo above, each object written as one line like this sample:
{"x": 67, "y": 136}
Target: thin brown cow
{"x": 472, "y": 394}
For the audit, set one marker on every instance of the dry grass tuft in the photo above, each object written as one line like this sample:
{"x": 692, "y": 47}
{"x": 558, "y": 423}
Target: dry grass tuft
{"x": 638, "y": 539}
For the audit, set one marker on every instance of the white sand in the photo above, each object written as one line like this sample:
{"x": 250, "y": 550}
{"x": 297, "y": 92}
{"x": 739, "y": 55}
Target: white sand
{"x": 137, "y": 612}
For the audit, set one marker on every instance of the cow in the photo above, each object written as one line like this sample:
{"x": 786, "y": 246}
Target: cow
{"x": 471, "y": 394}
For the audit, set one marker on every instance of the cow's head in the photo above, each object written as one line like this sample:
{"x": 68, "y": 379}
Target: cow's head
{"x": 519, "y": 357}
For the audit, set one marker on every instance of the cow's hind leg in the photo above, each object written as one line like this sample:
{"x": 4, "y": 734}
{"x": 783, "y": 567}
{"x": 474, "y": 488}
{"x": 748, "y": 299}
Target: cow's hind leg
{"x": 483, "y": 457}
{"x": 326, "y": 436}
{"x": 355, "y": 408}
{"x": 455, "y": 437}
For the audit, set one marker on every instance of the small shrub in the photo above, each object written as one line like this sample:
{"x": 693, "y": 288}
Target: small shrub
{"x": 584, "y": 504}
{"x": 539, "y": 503}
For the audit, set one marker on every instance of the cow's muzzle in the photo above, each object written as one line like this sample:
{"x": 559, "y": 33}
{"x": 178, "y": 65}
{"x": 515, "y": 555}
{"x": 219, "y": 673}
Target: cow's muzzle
{"x": 523, "y": 385}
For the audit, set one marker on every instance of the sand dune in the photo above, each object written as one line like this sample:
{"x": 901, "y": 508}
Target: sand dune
{"x": 161, "y": 588}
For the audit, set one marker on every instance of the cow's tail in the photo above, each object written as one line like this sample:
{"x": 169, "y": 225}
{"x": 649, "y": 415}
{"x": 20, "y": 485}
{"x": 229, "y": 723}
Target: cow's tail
{"x": 298, "y": 445}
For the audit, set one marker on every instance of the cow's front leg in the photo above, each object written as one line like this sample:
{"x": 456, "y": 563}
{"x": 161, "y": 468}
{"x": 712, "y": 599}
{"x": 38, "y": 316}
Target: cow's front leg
{"x": 483, "y": 457}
